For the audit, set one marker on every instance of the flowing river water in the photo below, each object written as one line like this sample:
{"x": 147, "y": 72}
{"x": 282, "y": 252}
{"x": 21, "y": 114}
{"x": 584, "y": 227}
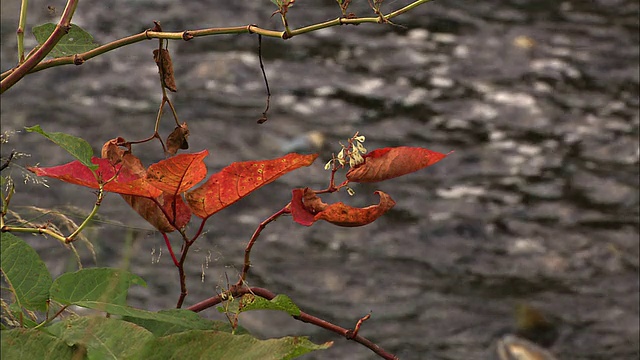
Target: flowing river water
{"x": 538, "y": 204}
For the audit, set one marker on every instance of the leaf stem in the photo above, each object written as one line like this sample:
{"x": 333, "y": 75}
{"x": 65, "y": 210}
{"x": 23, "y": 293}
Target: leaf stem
{"x": 168, "y": 243}
{"x": 86, "y": 221}
{"x": 254, "y": 237}
{"x": 5, "y": 202}
{"x": 20, "y": 33}
{"x": 45, "y": 231}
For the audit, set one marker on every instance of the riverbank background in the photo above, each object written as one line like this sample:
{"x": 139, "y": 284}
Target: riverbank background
{"x": 537, "y": 205}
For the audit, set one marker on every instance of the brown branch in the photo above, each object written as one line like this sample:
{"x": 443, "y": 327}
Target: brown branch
{"x": 186, "y": 35}
{"x": 237, "y": 291}
{"x": 61, "y": 29}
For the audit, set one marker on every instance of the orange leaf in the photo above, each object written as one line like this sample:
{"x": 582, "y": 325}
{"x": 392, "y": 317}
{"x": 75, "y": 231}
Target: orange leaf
{"x": 178, "y": 174}
{"x": 307, "y": 208}
{"x": 388, "y": 163}
{"x": 239, "y": 179}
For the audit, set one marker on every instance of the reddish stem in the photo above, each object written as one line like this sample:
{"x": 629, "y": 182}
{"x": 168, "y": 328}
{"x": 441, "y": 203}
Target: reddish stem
{"x": 199, "y": 230}
{"x": 254, "y": 237}
{"x": 183, "y": 276}
{"x": 173, "y": 256}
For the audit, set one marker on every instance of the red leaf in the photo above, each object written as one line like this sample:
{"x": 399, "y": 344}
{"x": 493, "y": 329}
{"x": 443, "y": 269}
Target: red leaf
{"x": 178, "y": 174}
{"x": 307, "y": 208}
{"x": 388, "y": 163}
{"x": 76, "y": 173}
{"x": 173, "y": 205}
{"x": 239, "y": 179}
{"x": 299, "y": 212}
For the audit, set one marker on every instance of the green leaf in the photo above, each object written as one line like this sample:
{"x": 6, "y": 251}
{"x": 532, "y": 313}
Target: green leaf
{"x": 130, "y": 312}
{"x": 24, "y": 271}
{"x": 75, "y": 42}
{"x": 34, "y": 344}
{"x": 182, "y": 320}
{"x": 97, "y": 284}
{"x": 103, "y": 338}
{"x": 251, "y": 302}
{"x": 77, "y": 147}
{"x": 221, "y": 345}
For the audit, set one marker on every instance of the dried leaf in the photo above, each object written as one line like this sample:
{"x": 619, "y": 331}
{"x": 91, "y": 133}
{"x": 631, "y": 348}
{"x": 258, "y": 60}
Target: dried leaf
{"x": 307, "y": 208}
{"x": 117, "y": 155}
{"x": 174, "y": 207}
{"x": 238, "y": 180}
{"x": 165, "y": 67}
{"x": 178, "y": 139}
{"x": 178, "y": 174}
{"x": 388, "y": 163}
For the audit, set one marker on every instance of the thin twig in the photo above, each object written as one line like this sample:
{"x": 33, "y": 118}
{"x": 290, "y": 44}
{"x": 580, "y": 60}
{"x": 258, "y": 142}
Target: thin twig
{"x": 254, "y": 237}
{"x": 6, "y": 164}
{"x": 264, "y": 118}
{"x": 186, "y": 35}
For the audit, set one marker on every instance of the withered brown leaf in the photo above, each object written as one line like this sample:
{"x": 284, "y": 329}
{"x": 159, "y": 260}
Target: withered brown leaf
{"x": 178, "y": 139}
{"x": 165, "y": 67}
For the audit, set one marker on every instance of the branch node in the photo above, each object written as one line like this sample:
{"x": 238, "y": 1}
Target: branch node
{"x": 78, "y": 60}
{"x": 186, "y": 35}
{"x": 249, "y": 28}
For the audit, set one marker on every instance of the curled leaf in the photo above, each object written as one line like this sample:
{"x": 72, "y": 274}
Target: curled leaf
{"x": 165, "y": 67}
{"x": 238, "y": 180}
{"x": 178, "y": 139}
{"x": 302, "y": 214}
{"x": 388, "y": 163}
{"x": 307, "y": 208}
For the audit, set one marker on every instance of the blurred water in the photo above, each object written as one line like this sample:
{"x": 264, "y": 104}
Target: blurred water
{"x": 538, "y": 203}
